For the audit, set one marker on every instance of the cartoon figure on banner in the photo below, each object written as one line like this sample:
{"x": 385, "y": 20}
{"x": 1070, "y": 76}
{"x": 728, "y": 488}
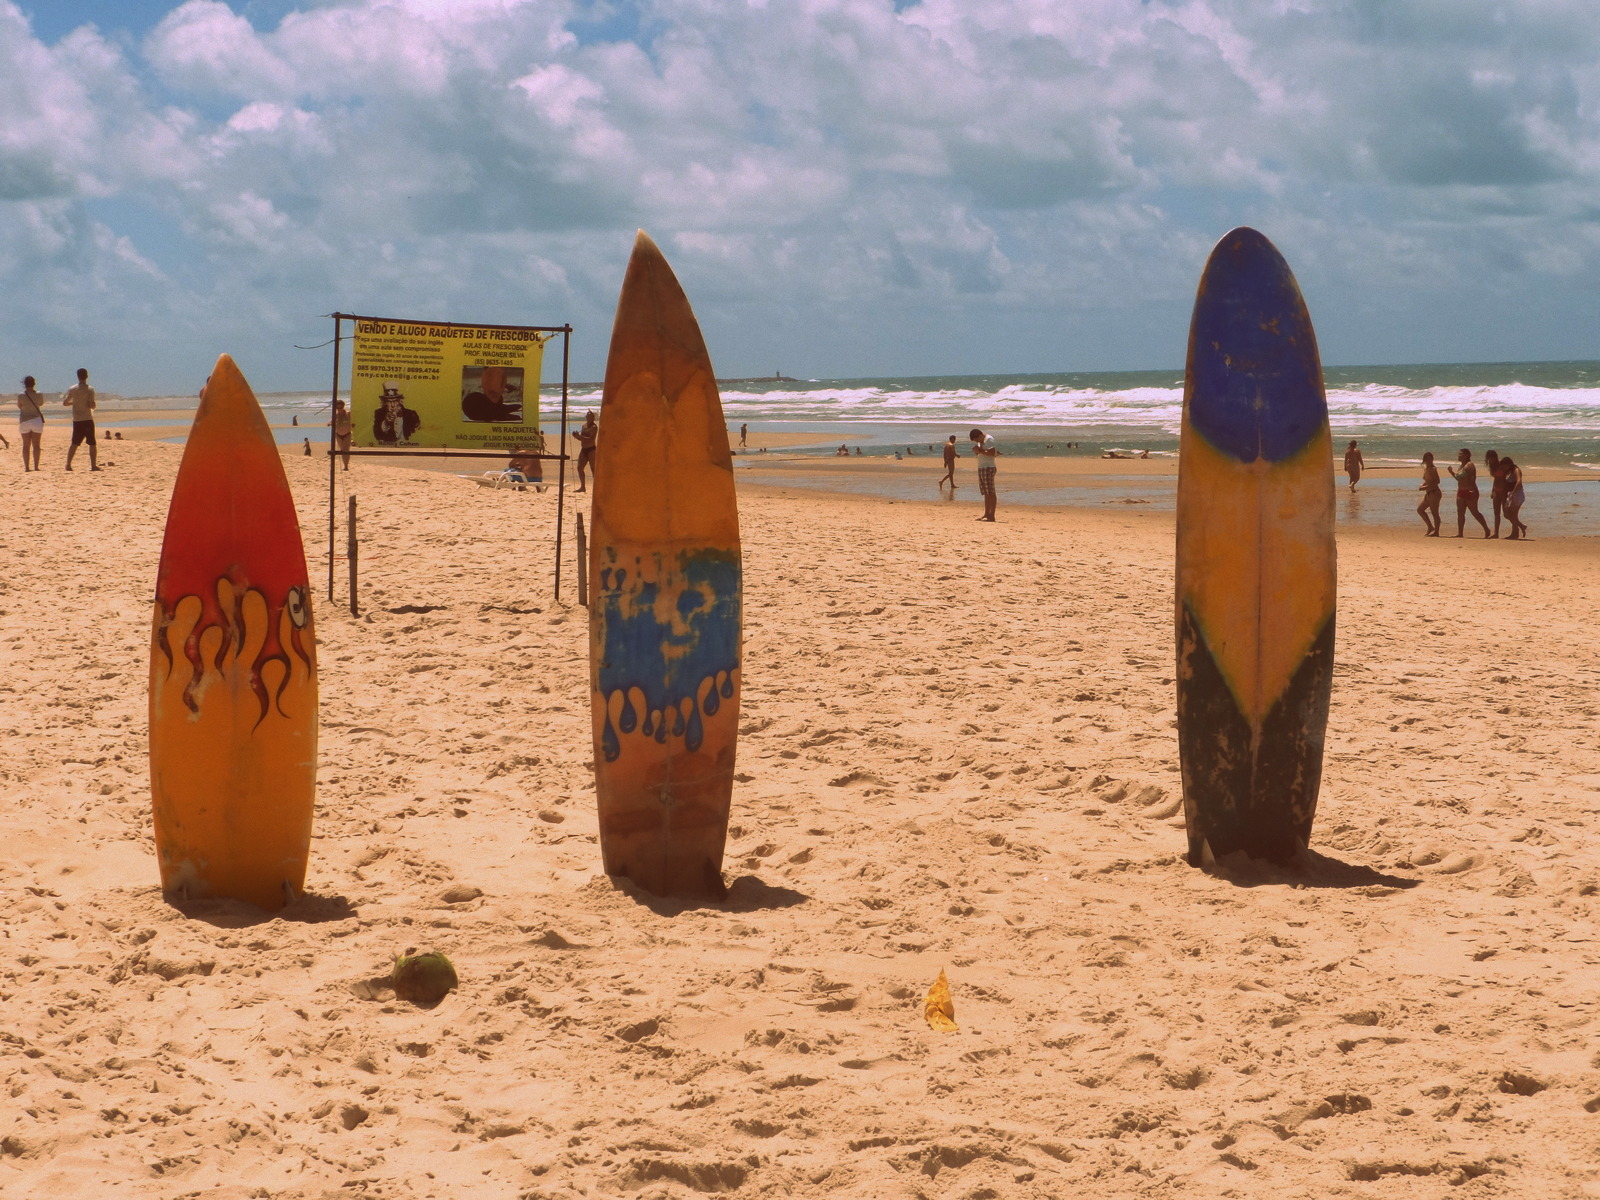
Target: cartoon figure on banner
{"x": 492, "y": 394}
{"x": 394, "y": 423}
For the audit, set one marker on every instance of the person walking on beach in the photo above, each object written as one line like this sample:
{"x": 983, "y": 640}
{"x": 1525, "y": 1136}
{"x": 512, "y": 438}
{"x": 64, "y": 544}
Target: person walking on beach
{"x": 1353, "y": 464}
{"x": 1493, "y": 463}
{"x": 985, "y": 451}
{"x": 30, "y": 419}
{"x": 1467, "y": 493}
{"x": 744, "y": 434}
{"x": 949, "y": 464}
{"x": 342, "y": 428}
{"x": 80, "y": 399}
{"x": 586, "y": 436}
{"x": 1428, "y": 507}
{"x": 1515, "y": 498}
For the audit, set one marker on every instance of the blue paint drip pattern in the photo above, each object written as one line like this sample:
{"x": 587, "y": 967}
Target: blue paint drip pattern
{"x": 669, "y": 661}
{"x": 1254, "y": 374}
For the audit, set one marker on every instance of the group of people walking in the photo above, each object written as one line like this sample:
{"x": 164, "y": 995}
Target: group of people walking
{"x": 1505, "y": 493}
{"x": 30, "y": 418}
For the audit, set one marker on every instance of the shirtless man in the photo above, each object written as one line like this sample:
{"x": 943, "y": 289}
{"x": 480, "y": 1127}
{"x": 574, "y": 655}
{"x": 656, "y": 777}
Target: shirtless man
{"x": 949, "y": 464}
{"x": 1354, "y": 464}
{"x": 1467, "y": 493}
{"x": 80, "y": 399}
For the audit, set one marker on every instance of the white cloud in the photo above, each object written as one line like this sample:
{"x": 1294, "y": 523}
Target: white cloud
{"x": 807, "y": 161}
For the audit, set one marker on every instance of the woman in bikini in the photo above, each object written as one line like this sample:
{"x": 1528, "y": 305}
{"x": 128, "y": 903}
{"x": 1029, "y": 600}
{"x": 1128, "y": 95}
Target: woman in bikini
{"x": 30, "y": 417}
{"x": 1515, "y": 497}
{"x": 1431, "y": 493}
{"x": 1495, "y": 465}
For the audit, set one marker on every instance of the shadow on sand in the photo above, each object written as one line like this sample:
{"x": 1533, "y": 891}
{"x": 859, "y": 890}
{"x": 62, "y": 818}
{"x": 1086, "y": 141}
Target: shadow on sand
{"x": 745, "y": 894}
{"x": 1309, "y": 870}
{"x": 307, "y": 909}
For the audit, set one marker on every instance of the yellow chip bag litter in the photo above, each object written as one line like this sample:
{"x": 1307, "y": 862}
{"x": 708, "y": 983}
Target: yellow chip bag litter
{"x": 938, "y": 1008}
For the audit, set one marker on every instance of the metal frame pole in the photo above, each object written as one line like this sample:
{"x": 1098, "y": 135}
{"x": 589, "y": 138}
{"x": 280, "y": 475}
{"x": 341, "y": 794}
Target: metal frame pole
{"x": 333, "y": 479}
{"x": 351, "y": 555}
{"x": 583, "y": 562}
{"x": 561, "y": 487}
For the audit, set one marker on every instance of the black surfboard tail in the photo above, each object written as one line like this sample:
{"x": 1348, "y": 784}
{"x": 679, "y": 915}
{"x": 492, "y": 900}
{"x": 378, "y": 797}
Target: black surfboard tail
{"x": 1249, "y": 788}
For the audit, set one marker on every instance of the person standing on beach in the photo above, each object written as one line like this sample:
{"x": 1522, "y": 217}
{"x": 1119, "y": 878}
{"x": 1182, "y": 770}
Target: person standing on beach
{"x": 1467, "y": 493}
{"x": 985, "y": 451}
{"x": 80, "y": 399}
{"x": 1492, "y": 463}
{"x": 949, "y": 464}
{"x": 342, "y": 427}
{"x": 1515, "y": 498}
{"x": 1430, "y": 495}
{"x": 586, "y": 436}
{"x": 1353, "y": 464}
{"x": 30, "y": 418}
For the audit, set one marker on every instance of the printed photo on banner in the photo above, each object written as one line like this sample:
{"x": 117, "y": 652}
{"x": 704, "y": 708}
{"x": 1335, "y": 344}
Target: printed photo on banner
{"x": 492, "y": 394}
{"x": 394, "y": 423}
{"x": 430, "y": 384}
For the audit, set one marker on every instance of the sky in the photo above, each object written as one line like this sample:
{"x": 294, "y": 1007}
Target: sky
{"x": 846, "y": 188}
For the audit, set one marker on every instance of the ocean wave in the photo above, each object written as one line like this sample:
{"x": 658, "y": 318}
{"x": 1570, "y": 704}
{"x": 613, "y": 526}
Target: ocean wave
{"x": 1373, "y": 405}
{"x": 1370, "y": 407}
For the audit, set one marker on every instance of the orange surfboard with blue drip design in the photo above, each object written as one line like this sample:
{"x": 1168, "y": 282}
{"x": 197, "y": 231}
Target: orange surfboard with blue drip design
{"x": 233, "y": 665}
{"x": 665, "y": 617}
{"x": 1256, "y": 587}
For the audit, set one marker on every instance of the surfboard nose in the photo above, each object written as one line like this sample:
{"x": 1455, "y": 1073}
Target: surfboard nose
{"x": 1253, "y": 354}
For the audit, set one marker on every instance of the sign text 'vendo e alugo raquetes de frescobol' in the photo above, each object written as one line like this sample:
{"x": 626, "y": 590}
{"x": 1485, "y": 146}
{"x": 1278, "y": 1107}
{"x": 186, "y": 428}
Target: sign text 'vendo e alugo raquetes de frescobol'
{"x": 420, "y": 383}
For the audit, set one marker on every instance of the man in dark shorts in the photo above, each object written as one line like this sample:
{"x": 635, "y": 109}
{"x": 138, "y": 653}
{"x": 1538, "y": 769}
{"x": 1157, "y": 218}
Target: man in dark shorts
{"x": 81, "y": 400}
{"x": 949, "y": 464}
{"x": 1467, "y": 493}
{"x": 985, "y": 451}
{"x": 586, "y": 438}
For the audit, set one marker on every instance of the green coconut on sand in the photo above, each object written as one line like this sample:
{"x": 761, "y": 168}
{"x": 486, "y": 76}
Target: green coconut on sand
{"x": 423, "y": 978}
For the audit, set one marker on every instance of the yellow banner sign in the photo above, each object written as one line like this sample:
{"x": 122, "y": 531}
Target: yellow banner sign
{"x": 469, "y": 387}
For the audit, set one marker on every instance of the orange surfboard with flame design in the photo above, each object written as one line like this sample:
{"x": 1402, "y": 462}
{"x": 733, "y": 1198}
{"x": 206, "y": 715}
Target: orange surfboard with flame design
{"x": 233, "y": 665}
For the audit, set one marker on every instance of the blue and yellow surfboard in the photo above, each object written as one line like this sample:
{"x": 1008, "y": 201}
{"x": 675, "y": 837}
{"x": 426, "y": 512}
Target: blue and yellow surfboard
{"x": 1256, "y": 588}
{"x": 666, "y": 592}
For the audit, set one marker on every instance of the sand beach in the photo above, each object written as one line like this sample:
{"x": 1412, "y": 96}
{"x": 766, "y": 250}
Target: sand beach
{"x": 958, "y": 753}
